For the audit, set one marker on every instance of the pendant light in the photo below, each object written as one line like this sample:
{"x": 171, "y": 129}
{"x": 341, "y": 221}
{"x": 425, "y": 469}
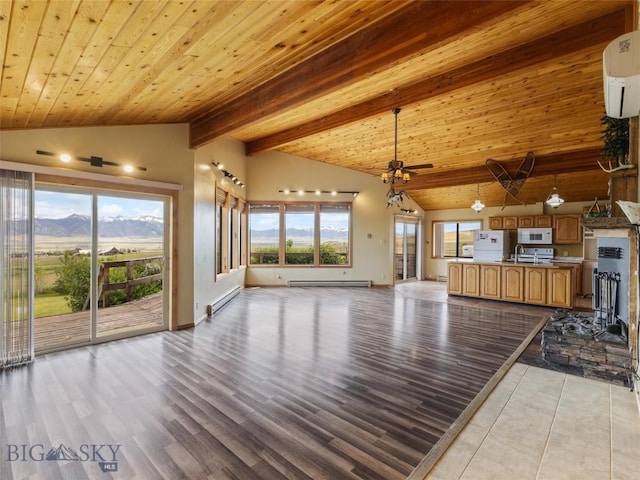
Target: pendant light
{"x": 478, "y": 205}
{"x": 554, "y": 200}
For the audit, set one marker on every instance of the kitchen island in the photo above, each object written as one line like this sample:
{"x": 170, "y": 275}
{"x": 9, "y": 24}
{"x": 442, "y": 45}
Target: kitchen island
{"x": 538, "y": 284}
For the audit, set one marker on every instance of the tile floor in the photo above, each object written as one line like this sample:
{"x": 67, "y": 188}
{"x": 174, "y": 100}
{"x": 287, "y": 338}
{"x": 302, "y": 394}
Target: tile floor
{"x": 544, "y": 425}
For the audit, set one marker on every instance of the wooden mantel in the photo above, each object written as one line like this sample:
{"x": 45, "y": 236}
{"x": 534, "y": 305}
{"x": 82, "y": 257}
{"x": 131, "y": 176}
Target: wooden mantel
{"x": 608, "y": 223}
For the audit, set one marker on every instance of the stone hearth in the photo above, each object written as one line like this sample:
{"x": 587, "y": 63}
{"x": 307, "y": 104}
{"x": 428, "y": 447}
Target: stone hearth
{"x": 573, "y": 344}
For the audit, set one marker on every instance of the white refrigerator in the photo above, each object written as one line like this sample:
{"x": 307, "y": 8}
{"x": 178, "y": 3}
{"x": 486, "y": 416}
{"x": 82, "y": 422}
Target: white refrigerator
{"x": 491, "y": 245}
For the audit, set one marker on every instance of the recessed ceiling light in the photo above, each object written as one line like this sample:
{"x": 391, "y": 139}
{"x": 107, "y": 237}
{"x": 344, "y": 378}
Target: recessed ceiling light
{"x": 128, "y": 168}
{"x": 65, "y": 157}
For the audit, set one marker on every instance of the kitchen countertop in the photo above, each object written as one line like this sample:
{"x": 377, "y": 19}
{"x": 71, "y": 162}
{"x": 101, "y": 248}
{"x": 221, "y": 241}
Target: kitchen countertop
{"x": 567, "y": 260}
{"x": 519, "y": 264}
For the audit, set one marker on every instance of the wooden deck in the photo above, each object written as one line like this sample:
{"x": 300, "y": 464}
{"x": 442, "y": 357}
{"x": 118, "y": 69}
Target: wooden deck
{"x": 73, "y": 328}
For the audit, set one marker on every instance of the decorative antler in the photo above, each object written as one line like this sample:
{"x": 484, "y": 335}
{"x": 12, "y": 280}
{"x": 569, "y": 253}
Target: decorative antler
{"x": 616, "y": 169}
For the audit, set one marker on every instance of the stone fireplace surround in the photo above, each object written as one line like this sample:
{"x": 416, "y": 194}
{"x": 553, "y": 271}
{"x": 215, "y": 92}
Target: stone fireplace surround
{"x": 573, "y": 344}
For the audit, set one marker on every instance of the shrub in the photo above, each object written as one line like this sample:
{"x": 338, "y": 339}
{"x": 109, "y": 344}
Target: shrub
{"x": 74, "y": 279}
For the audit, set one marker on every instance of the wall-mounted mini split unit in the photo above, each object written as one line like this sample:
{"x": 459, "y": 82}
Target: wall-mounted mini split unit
{"x": 621, "y": 75}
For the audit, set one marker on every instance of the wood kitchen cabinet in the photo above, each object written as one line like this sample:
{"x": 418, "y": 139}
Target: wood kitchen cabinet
{"x": 490, "y": 281}
{"x": 471, "y": 280}
{"x": 526, "y": 221}
{"x": 512, "y": 283}
{"x": 567, "y": 229}
{"x": 495, "y": 223}
{"x": 454, "y": 278}
{"x": 543, "y": 221}
{"x": 579, "y": 289}
{"x": 509, "y": 223}
{"x": 535, "y": 285}
{"x": 559, "y": 288}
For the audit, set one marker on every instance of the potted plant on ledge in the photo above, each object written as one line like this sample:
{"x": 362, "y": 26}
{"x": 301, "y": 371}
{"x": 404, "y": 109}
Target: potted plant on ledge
{"x": 615, "y": 143}
{"x": 615, "y": 151}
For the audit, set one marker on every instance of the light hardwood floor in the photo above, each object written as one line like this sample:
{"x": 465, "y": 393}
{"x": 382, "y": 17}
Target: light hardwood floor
{"x": 301, "y": 383}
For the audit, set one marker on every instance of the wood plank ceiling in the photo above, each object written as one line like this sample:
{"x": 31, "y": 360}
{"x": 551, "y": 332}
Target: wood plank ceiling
{"x": 474, "y": 79}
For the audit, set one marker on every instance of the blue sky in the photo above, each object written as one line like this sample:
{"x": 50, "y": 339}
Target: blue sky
{"x": 62, "y": 204}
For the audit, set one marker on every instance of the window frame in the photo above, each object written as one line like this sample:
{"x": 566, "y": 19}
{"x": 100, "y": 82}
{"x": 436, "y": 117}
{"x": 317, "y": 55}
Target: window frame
{"x": 229, "y": 215}
{"x": 317, "y": 258}
{"x": 437, "y": 237}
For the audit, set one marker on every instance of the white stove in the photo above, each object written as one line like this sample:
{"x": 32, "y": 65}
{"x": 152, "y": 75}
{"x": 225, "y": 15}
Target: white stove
{"x": 533, "y": 255}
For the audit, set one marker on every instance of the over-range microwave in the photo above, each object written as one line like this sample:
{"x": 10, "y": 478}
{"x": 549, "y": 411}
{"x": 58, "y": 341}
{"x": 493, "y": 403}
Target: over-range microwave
{"x": 535, "y": 236}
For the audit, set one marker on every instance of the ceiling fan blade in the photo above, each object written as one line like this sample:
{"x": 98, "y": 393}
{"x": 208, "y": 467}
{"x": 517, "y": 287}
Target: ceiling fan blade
{"x": 418, "y": 167}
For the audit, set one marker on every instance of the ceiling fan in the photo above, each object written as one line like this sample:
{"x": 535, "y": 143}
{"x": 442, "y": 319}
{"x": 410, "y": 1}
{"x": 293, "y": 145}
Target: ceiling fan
{"x": 396, "y": 170}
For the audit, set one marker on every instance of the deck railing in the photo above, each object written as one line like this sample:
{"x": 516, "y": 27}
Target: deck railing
{"x": 106, "y": 286}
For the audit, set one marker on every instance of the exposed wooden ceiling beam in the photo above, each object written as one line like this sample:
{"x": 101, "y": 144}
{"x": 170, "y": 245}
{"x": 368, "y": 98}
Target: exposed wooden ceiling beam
{"x": 555, "y": 164}
{"x": 425, "y": 25}
{"x": 600, "y": 30}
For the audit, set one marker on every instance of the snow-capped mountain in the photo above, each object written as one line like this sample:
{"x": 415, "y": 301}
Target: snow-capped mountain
{"x": 80, "y": 225}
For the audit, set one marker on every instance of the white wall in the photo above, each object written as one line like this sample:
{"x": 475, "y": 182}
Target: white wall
{"x": 162, "y": 149}
{"x": 229, "y": 152}
{"x": 372, "y": 220}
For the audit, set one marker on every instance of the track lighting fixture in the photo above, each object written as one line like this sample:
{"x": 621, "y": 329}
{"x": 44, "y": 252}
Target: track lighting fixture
{"x": 228, "y": 174}
{"x": 93, "y": 160}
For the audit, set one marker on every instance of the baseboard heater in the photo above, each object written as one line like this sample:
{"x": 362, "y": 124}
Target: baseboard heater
{"x": 329, "y": 283}
{"x": 222, "y": 301}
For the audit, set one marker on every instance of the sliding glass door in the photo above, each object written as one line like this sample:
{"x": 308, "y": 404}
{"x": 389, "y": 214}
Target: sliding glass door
{"x": 130, "y": 264}
{"x": 62, "y": 261}
{"x": 100, "y": 266}
{"x": 405, "y": 249}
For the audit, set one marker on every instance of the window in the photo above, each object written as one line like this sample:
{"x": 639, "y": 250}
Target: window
{"x": 454, "y": 239}
{"x": 232, "y": 244}
{"x": 299, "y": 223}
{"x": 218, "y": 239}
{"x": 264, "y": 232}
{"x": 230, "y": 222}
{"x": 241, "y": 237}
{"x": 311, "y": 234}
{"x": 334, "y": 234}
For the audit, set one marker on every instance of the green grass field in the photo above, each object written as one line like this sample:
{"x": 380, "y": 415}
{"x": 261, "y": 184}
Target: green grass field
{"x": 48, "y": 304}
